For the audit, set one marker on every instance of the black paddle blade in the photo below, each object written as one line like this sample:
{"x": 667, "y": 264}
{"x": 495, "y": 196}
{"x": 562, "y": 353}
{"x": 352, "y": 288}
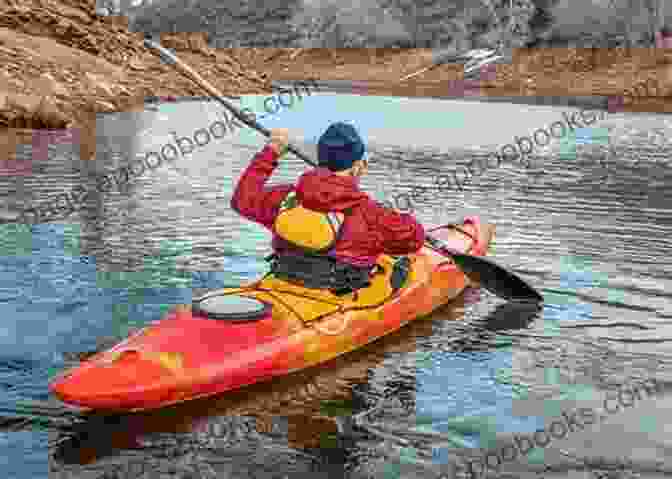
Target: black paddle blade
{"x": 495, "y": 279}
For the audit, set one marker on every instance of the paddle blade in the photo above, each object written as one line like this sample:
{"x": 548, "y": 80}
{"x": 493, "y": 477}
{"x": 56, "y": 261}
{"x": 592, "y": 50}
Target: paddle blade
{"x": 495, "y": 279}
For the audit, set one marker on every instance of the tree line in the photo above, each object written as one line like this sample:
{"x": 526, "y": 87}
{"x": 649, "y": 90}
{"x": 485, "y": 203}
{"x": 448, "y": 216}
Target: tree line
{"x": 463, "y": 24}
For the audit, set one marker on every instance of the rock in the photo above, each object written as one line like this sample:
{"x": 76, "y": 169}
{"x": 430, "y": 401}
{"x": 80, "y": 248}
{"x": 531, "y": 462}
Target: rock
{"x": 34, "y": 110}
{"x": 74, "y": 14}
{"x": 49, "y": 85}
{"x": 121, "y": 89}
{"x": 49, "y": 114}
{"x": 97, "y": 84}
{"x": 105, "y": 106}
{"x": 136, "y": 64}
{"x": 26, "y": 104}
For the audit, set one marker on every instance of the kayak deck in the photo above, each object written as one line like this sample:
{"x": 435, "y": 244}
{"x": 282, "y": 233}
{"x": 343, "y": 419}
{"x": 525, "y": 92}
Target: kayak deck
{"x": 187, "y": 355}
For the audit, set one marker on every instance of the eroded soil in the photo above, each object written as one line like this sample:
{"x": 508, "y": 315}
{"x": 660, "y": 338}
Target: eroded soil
{"x": 62, "y": 64}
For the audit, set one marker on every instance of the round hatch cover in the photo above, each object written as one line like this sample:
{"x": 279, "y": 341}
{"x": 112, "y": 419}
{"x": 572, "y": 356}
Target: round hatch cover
{"x": 231, "y": 307}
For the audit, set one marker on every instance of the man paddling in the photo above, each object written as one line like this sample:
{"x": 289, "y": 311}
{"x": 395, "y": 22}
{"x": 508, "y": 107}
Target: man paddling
{"x": 327, "y": 233}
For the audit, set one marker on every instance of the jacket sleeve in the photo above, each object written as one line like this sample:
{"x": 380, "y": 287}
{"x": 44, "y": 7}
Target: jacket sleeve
{"x": 398, "y": 233}
{"x": 251, "y": 199}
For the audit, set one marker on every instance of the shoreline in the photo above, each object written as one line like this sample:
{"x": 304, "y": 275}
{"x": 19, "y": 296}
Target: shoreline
{"x": 58, "y": 81}
{"x": 638, "y": 81}
{"x": 477, "y": 95}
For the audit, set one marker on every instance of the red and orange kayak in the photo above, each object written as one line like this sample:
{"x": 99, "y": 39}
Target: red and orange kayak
{"x": 195, "y": 352}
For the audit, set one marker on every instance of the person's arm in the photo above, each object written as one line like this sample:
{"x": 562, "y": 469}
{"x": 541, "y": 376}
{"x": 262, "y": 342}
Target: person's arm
{"x": 251, "y": 198}
{"x": 398, "y": 233}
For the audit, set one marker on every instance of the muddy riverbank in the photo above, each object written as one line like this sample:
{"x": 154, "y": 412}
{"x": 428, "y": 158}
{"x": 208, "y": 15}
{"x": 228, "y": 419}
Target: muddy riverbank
{"x": 63, "y": 65}
{"x": 637, "y": 80}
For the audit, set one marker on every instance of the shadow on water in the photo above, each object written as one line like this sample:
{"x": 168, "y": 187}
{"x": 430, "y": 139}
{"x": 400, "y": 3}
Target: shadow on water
{"x": 511, "y": 315}
{"x": 481, "y": 333}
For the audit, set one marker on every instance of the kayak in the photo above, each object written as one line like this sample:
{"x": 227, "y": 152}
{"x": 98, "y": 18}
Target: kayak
{"x": 234, "y": 337}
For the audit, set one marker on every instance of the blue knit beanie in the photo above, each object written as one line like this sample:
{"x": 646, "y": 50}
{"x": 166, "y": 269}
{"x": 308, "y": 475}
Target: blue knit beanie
{"x": 339, "y": 147}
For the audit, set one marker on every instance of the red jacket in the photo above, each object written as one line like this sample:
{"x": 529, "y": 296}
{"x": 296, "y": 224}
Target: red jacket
{"x": 370, "y": 229}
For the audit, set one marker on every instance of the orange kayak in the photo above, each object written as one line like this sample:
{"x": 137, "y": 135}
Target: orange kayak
{"x": 235, "y": 337}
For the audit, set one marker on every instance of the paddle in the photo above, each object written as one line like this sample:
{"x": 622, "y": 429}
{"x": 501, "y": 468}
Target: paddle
{"x": 473, "y": 60}
{"x": 489, "y": 275}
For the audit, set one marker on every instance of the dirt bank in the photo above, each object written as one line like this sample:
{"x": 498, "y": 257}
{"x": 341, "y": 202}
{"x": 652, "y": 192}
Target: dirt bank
{"x": 62, "y": 64}
{"x": 641, "y": 79}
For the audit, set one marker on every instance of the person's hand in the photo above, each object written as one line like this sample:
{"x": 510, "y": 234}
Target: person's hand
{"x": 279, "y": 140}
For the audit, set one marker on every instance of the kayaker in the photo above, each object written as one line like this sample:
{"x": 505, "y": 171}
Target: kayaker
{"x": 327, "y": 233}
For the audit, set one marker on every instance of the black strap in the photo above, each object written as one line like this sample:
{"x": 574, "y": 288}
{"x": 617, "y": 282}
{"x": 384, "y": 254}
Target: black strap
{"x": 319, "y": 272}
{"x": 400, "y": 272}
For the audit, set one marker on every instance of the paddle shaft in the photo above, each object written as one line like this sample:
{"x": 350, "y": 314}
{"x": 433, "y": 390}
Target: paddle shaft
{"x": 189, "y": 72}
{"x": 438, "y": 58}
{"x": 451, "y": 55}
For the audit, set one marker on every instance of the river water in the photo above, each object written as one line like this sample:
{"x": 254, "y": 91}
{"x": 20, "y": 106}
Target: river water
{"x": 586, "y": 221}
